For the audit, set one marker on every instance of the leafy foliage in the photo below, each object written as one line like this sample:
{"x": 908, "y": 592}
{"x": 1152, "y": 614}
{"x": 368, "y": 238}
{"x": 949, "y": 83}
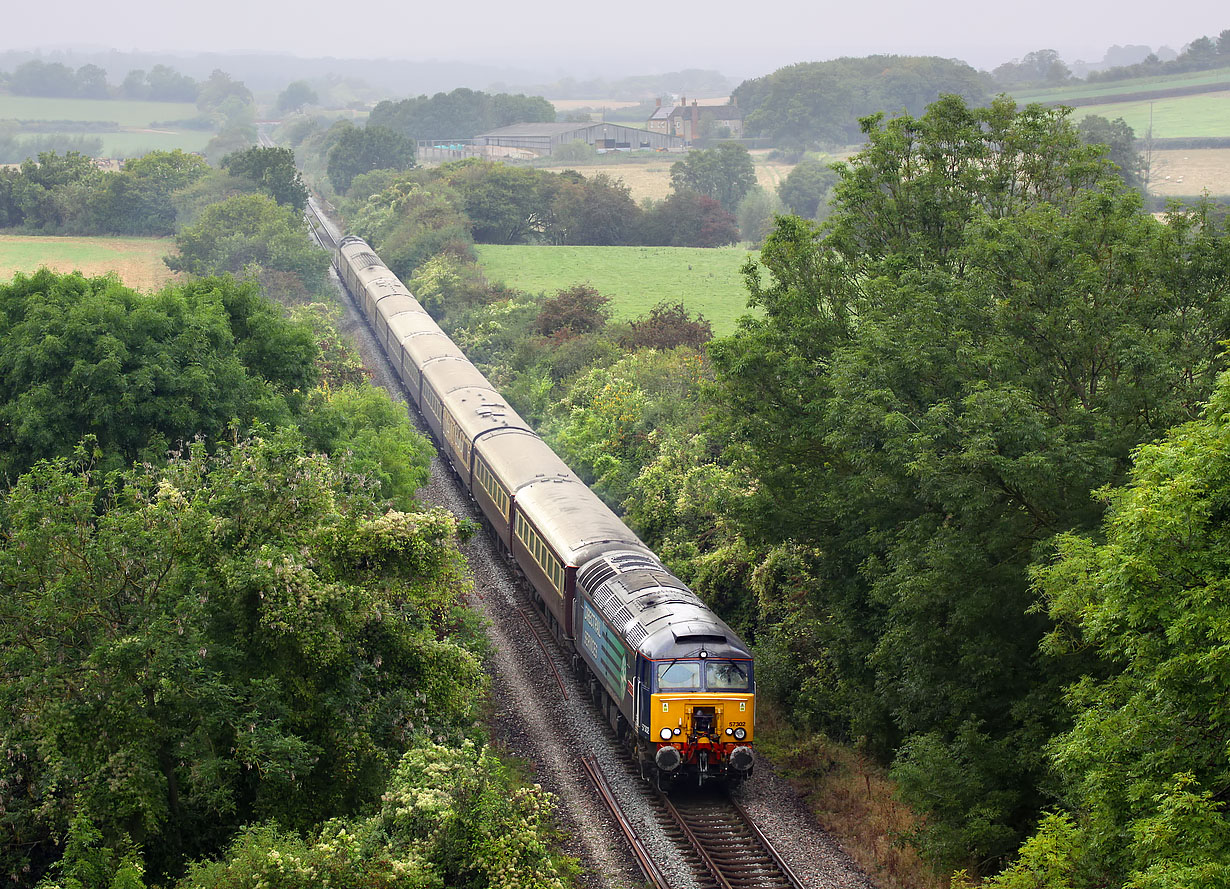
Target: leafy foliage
{"x": 252, "y": 234}
{"x": 986, "y": 328}
{"x": 272, "y": 170}
{"x": 254, "y": 639}
{"x": 452, "y": 816}
{"x": 358, "y": 151}
{"x": 139, "y": 373}
{"x": 813, "y": 104}
{"x": 724, "y": 173}
{"x": 68, "y": 194}
{"x": 461, "y": 114}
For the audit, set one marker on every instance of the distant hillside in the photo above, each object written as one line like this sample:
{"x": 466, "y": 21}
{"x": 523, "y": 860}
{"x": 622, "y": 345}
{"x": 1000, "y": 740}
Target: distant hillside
{"x": 1127, "y": 90}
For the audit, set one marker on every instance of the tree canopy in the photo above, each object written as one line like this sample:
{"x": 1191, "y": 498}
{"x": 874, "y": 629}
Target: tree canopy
{"x": 819, "y": 103}
{"x": 254, "y": 638}
{"x": 977, "y": 340}
{"x": 725, "y": 173}
{"x": 461, "y": 114}
{"x": 271, "y": 170}
{"x": 140, "y": 373}
{"x": 251, "y": 233}
{"x": 373, "y": 147}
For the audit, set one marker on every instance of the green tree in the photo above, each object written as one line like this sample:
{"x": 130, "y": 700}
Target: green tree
{"x": 295, "y": 96}
{"x": 362, "y": 150}
{"x": 138, "y": 200}
{"x": 238, "y": 637}
{"x": 273, "y": 171}
{"x": 460, "y": 114}
{"x": 504, "y": 204}
{"x": 814, "y": 104}
{"x": 217, "y": 90}
{"x": 1145, "y": 762}
{"x": 938, "y": 380}
{"x": 807, "y": 188}
{"x": 250, "y": 233}
{"x": 725, "y": 173}
{"x": 687, "y": 219}
{"x": 140, "y": 373}
{"x": 599, "y": 210}
{"x": 1119, "y": 141}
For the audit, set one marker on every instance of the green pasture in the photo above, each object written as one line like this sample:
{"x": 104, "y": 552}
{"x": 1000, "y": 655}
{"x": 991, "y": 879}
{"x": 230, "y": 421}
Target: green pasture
{"x": 135, "y": 119}
{"x": 125, "y": 113}
{"x": 705, "y": 280}
{"x": 1206, "y": 114}
{"x": 136, "y": 144}
{"x": 1119, "y": 87}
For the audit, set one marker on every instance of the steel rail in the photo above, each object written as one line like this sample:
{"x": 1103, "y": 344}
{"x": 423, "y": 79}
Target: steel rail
{"x": 652, "y": 873}
{"x": 550, "y": 660}
{"x": 768, "y": 847}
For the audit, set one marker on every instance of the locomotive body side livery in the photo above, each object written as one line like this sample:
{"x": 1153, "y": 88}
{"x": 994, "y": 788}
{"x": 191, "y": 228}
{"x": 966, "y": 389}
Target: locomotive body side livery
{"x": 670, "y": 676}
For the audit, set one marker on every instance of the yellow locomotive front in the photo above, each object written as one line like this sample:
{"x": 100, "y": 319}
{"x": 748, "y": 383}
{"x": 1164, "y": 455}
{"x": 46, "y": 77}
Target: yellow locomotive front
{"x": 701, "y": 713}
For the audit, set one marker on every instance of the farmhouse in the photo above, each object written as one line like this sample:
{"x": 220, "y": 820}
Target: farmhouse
{"x": 543, "y": 138}
{"x": 693, "y": 121}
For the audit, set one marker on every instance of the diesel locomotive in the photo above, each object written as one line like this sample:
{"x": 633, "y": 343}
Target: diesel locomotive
{"x": 675, "y": 682}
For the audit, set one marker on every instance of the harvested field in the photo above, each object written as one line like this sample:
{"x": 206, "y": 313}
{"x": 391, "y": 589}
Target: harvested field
{"x": 137, "y": 261}
{"x": 644, "y": 180}
{"x": 653, "y": 180}
{"x": 1191, "y": 172}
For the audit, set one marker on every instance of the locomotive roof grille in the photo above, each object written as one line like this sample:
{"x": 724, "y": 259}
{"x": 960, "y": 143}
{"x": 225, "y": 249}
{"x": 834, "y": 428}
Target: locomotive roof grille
{"x": 596, "y": 575}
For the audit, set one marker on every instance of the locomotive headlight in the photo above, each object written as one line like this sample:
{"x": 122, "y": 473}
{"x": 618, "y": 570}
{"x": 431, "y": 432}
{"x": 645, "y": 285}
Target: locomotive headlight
{"x": 730, "y": 731}
{"x": 665, "y": 734}
{"x": 740, "y": 733}
{"x": 677, "y": 730}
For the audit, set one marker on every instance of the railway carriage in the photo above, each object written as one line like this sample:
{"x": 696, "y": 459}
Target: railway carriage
{"x": 673, "y": 679}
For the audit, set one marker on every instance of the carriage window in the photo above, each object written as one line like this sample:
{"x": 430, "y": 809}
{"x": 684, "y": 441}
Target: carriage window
{"x": 726, "y": 676}
{"x": 679, "y": 676}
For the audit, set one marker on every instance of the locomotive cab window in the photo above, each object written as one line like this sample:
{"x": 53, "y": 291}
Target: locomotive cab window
{"x": 679, "y": 676}
{"x": 728, "y": 675}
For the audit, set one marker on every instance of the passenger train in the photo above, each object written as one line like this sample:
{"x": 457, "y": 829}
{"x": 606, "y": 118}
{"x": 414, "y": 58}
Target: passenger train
{"x": 674, "y": 681}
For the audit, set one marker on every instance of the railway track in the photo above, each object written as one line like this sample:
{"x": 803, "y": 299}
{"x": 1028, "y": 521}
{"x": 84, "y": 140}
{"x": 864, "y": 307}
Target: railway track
{"x": 715, "y": 836}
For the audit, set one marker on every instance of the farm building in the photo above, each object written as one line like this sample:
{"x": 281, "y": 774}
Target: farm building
{"x": 690, "y": 122}
{"x": 543, "y": 138}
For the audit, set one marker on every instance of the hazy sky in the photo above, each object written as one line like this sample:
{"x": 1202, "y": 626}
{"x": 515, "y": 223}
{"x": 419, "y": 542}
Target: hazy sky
{"x": 743, "y": 38}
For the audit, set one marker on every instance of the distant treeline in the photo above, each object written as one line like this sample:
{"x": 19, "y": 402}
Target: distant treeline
{"x": 461, "y": 114}
{"x": 57, "y": 80}
{"x": 1199, "y": 55}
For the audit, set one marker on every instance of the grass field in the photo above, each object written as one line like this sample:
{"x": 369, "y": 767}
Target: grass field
{"x": 1118, "y": 87}
{"x": 126, "y": 114}
{"x": 637, "y": 278}
{"x": 135, "y": 137}
{"x": 1206, "y": 114}
{"x": 137, "y": 261}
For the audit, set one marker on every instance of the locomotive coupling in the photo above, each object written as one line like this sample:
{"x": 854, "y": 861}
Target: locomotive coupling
{"x": 741, "y": 759}
{"x": 668, "y": 758}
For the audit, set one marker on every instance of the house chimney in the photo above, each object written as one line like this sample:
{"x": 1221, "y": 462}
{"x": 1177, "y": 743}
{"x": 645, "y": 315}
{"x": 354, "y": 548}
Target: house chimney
{"x": 683, "y": 100}
{"x": 659, "y": 101}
